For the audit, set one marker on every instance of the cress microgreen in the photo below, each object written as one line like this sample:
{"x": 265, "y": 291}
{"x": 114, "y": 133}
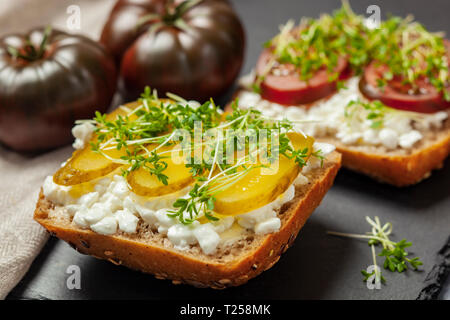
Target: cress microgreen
{"x": 394, "y": 253}
{"x": 317, "y": 44}
{"x": 410, "y": 54}
{"x": 375, "y": 112}
{"x": 142, "y": 132}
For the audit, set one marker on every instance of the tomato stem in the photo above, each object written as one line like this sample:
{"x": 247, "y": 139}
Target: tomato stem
{"x": 30, "y": 53}
{"x": 172, "y": 17}
{"x": 176, "y": 13}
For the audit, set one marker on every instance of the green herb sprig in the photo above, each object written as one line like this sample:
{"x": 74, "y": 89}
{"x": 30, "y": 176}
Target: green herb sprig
{"x": 395, "y": 255}
{"x": 375, "y": 112}
{"x": 410, "y": 53}
{"x": 317, "y": 44}
{"x": 142, "y": 131}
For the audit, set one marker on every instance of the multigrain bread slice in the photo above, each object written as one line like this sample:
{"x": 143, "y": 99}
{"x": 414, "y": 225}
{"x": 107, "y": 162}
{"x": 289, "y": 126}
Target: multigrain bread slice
{"x": 398, "y": 167}
{"x": 231, "y": 265}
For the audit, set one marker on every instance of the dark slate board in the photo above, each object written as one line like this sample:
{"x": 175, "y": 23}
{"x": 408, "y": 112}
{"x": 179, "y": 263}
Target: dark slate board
{"x": 318, "y": 266}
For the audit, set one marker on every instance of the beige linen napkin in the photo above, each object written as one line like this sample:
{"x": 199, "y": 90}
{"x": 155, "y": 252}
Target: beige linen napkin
{"x": 21, "y": 238}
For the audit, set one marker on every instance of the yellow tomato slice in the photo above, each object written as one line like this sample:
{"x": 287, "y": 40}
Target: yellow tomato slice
{"x": 143, "y": 183}
{"x": 256, "y": 189}
{"x": 85, "y": 164}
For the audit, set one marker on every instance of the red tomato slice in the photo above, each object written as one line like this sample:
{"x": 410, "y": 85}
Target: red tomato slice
{"x": 286, "y": 87}
{"x": 397, "y": 95}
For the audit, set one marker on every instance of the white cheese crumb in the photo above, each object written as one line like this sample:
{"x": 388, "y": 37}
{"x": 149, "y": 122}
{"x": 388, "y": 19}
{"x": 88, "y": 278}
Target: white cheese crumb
{"x": 88, "y": 199}
{"x": 95, "y": 213}
{"x": 223, "y": 224}
{"x": 438, "y": 118}
{"x": 56, "y": 193}
{"x": 325, "y": 148}
{"x": 106, "y": 226}
{"x": 181, "y": 236}
{"x": 82, "y": 133}
{"x": 147, "y": 215}
{"x": 127, "y": 221}
{"x": 129, "y": 204}
{"x": 407, "y": 140}
{"x": 389, "y": 138}
{"x": 349, "y": 138}
{"x": 300, "y": 180}
{"x": 164, "y": 221}
{"x": 250, "y": 219}
{"x": 120, "y": 189}
{"x": 72, "y": 209}
{"x": 371, "y": 136}
{"x": 207, "y": 238}
{"x": 79, "y": 220}
{"x": 110, "y": 202}
{"x": 288, "y": 195}
{"x": 268, "y": 226}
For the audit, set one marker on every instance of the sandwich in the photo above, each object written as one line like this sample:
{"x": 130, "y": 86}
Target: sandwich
{"x": 185, "y": 191}
{"x": 379, "y": 93}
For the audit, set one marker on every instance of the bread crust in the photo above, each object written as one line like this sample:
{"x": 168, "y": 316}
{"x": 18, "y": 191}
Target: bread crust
{"x": 397, "y": 170}
{"x": 176, "y": 265}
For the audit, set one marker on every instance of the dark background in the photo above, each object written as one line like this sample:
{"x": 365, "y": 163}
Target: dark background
{"x": 318, "y": 266}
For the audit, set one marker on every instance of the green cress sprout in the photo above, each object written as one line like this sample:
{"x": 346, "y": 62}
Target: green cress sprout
{"x": 316, "y": 44}
{"x": 410, "y": 52}
{"x": 155, "y": 122}
{"x": 394, "y": 253}
{"x": 375, "y": 112}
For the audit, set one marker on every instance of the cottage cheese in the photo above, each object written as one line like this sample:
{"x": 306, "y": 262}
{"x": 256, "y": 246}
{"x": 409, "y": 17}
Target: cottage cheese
{"x": 111, "y": 207}
{"x": 82, "y": 133}
{"x": 327, "y": 117}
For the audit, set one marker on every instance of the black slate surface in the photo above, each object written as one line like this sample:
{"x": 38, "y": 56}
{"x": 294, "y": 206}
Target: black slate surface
{"x": 318, "y": 266}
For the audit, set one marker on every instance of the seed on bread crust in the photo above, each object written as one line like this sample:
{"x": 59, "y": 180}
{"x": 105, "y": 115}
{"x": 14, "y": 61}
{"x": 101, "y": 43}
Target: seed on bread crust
{"x": 224, "y": 281}
{"x": 196, "y": 284}
{"x": 85, "y": 243}
{"x": 114, "y": 261}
